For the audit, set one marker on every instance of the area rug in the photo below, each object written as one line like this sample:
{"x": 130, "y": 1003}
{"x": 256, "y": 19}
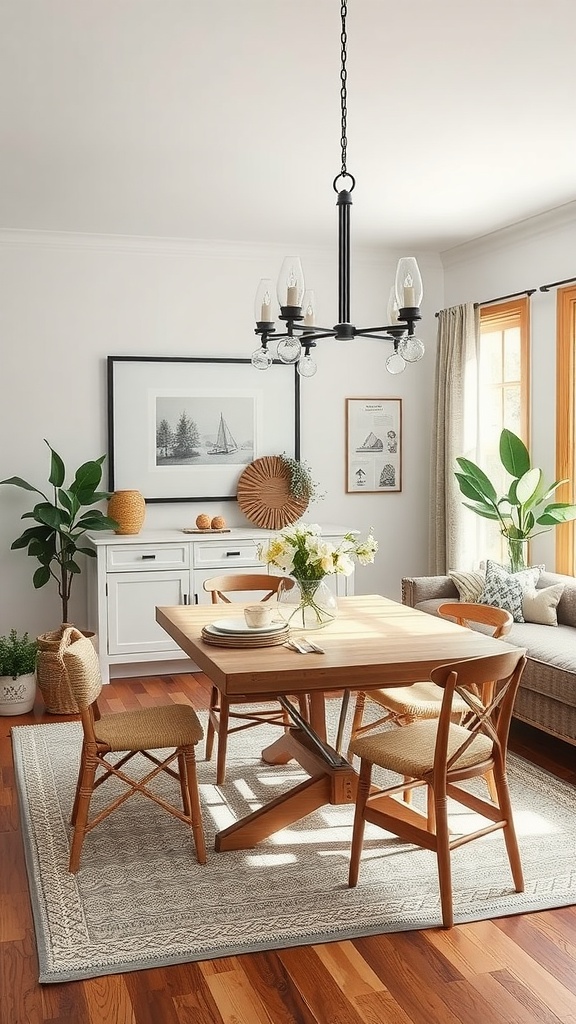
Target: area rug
{"x": 140, "y": 899}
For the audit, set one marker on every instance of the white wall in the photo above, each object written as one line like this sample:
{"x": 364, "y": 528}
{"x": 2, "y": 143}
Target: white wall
{"x": 68, "y": 301}
{"x": 537, "y": 252}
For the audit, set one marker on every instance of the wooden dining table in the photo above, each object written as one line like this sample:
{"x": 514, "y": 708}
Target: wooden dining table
{"x": 373, "y": 642}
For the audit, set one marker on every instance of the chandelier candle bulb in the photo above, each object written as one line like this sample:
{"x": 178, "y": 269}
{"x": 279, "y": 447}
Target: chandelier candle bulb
{"x": 409, "y": 296}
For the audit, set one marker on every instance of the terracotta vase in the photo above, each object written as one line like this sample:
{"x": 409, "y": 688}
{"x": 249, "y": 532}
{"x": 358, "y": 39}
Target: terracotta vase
{"x": 128, "y": 508}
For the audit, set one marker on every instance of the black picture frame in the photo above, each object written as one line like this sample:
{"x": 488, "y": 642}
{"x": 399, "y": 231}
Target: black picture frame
{"x": 187, "y": 401}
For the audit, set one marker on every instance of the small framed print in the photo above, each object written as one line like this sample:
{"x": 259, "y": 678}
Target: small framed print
{"x": 373, "y": 445}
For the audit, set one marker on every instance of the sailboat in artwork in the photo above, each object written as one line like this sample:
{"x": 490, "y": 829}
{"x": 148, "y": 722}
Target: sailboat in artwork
{"x": 371, "y": 444}
{"x": 225, "y": 443}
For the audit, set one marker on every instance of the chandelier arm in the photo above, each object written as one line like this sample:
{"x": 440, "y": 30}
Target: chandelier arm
{"x": 379, "y": 337}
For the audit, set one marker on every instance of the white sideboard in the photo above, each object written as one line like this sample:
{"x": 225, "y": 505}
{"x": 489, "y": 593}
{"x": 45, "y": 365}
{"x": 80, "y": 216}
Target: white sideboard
{"x": 132, "y": 575}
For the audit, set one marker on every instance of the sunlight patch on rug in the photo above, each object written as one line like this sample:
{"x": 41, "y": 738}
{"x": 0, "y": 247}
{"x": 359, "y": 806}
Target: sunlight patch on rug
{"x": 140, "y": 899}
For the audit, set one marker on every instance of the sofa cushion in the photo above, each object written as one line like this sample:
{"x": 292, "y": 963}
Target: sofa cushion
{"x": 469, "y": 584}
{"x": 504, "y": 589}
{"x": 566, "y": 611}
{"x": 540, "y": 605}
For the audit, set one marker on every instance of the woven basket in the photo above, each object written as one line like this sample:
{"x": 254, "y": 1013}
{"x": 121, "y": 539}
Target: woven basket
{"x": 51, "y": 670}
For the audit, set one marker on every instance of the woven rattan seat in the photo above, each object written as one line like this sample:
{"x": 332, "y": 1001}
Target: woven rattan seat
{"x": 173, "y": 730}
{"x": 438, "y": 754}
{"x": 171, "y": 725}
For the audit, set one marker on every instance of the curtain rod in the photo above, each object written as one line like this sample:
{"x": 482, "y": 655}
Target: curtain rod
{"x": 555, "y": 284}
{"x": 514, "y": 295}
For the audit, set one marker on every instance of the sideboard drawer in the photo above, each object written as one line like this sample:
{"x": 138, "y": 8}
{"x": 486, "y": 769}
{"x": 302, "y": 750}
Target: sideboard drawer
{"x": 226, "y": 553}
{"x": 134, "y": 557}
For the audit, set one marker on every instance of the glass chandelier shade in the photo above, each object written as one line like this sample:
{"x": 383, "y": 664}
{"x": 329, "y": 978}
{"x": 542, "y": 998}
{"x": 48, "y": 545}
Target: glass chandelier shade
{"x": 409, "y": 290}
{"x": 290, "y": 284}
{"x": 264, "y": 305}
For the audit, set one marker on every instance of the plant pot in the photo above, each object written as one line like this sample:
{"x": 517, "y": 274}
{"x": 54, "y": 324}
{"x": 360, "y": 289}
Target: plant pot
{"x": 17, "y": 695}
{"x": 51, "y": 671}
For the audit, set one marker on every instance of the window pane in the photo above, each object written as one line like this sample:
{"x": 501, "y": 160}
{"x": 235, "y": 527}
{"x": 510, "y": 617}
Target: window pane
{"x": 512, "y": 354}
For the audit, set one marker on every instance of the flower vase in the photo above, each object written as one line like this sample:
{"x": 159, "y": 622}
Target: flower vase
{"x": 517, "y": 553}
{"x": 306, "y": 604}
{"x": 128, "y": 508}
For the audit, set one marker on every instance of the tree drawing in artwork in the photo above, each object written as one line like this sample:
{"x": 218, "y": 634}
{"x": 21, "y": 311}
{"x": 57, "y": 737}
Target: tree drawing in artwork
{"x": 164, "y": 438}
{"x": 186, "y": 438}
{"x": 204, "y": 429}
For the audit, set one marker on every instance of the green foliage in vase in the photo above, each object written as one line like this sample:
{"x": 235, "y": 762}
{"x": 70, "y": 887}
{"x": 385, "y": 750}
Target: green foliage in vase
{"x": 525, "y": 506}
{"x": 56, "y": 540}
{"x": 17, "y": 654}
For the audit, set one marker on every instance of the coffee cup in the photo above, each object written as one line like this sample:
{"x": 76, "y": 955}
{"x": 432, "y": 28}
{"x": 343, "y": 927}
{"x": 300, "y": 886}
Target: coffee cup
{"x": 257, "y": 615}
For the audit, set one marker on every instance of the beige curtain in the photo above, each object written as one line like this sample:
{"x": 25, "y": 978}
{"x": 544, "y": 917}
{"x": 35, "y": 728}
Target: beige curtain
{"x": 454, "y": 432}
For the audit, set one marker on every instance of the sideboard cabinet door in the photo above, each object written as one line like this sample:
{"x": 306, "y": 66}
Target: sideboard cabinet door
{"x": 132, "y": 601}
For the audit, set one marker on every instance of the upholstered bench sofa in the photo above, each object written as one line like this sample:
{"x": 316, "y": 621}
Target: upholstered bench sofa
{"x": 547, "y": 694}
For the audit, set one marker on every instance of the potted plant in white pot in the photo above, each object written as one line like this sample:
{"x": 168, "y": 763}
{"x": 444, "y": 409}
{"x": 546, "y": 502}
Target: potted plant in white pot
{"x": 524, "y": 507}
{"x": 17, "y": 673}
{"x": 61, "y": 518}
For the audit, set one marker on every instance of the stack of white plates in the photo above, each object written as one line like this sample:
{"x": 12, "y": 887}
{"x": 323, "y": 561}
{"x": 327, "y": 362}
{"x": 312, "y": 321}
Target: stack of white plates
{"x": 234, "y": 632}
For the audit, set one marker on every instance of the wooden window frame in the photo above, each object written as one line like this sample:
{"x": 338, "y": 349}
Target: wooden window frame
{"x": 565, "y": 421}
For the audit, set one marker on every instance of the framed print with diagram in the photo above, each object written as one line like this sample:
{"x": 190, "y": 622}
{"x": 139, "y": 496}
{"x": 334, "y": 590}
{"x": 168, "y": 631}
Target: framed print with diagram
{"x": 373, "y": 445}
{"x": 184, "y": 429}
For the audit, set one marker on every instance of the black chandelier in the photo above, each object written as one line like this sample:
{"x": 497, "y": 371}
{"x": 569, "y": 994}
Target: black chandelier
{"x": 297, "y": 304}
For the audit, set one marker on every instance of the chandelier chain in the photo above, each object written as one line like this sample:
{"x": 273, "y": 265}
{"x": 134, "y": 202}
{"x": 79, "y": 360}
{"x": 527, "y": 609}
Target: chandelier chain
{"x": 343, "y": 93}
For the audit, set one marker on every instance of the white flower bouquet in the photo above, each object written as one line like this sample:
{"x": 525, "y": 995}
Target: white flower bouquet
{"x": 301, "y": 551}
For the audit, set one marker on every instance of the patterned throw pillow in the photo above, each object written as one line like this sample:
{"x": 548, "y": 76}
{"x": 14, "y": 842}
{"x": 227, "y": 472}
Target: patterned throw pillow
{"x": 468, "y": 584}
{"x": 540, "y": 605}
{"x": 504, "y": 589}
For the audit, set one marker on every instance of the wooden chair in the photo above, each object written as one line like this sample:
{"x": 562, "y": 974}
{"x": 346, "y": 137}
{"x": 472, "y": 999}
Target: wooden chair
{"x": 219, "y": 712}
{"x": 173, "y": 727}
{"x": 438, "y": 754}
{"x": 406, "y": 704}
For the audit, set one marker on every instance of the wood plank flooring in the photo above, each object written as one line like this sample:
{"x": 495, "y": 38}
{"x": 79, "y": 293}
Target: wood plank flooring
{"x": 517, "y": 970}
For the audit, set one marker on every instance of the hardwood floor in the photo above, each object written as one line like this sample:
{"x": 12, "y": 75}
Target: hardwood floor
{"x": 516, "y": 970}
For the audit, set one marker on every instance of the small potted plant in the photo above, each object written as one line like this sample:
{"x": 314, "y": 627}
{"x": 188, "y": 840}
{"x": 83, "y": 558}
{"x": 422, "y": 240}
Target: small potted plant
{"x": 17, "y": 673}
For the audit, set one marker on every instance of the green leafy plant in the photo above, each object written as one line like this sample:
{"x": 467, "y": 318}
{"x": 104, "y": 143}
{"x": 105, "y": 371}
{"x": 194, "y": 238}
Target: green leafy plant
{"x": 302, "y": 485}
{"x": 17, "y": 654}
{"x": 57, "y": 539}
{"x": 524, "y": 507}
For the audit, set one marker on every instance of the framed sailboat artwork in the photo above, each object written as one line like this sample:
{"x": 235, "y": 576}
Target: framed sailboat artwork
{"x": 373, "y": 445}
{"x": 185, "y": 428}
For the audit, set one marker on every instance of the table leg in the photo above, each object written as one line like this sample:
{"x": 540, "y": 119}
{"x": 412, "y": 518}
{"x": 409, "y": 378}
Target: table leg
{"x": 329, "y": 784}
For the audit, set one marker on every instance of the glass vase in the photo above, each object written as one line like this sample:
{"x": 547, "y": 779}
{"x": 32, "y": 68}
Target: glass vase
{"x": 306, "y": 604}
{"x": 517, "y": 553}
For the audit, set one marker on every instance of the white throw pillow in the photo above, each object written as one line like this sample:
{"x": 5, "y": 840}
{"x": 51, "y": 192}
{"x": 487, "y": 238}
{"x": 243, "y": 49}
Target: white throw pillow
{"x": 540, "y": 605}
{"x": 469, "y": 584}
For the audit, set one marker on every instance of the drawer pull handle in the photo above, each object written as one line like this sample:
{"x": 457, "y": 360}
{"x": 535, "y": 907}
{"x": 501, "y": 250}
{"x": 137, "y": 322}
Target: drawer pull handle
{"x": 148, "y": 558}
{"x": 230, "y": 553}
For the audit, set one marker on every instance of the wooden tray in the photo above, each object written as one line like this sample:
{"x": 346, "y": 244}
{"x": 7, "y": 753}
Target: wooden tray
{"x": 264, "y": 494}
{"x": 194, "y": 529}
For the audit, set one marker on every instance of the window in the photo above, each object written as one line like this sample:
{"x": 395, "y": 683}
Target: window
{"x": 566, "y": 423}
{"x": 503, "y": 387}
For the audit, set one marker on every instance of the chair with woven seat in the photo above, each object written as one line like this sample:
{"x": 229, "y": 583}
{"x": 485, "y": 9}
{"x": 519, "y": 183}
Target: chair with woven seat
{"x": 406, "y": 704}
{"x": 438, "y": 754}
{"x": 174, "y": 729}
{"x": 219, "y": 712}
